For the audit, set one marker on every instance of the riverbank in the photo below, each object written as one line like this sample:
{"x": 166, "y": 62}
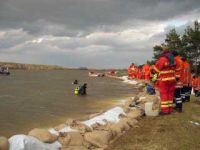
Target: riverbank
{"x": 164, "y": 132}
{"x": 22, "y": 66}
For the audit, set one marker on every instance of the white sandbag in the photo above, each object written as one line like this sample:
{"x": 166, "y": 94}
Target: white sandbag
{"x": 111, "y": 115}
{"x": 23, "y": 142}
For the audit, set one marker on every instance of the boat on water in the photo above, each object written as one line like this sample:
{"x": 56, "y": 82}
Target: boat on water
{"x": 95, "y": 74}
{"x": 4, "y": 71}
{"x": 111, "y": 73}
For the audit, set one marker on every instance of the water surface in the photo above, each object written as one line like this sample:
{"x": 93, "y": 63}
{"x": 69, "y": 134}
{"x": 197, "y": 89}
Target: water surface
{"x": 30, "y": 99}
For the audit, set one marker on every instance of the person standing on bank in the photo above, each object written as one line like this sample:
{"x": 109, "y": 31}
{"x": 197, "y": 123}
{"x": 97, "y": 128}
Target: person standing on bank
{"x": 165, "y": 69}
{"x": 179, "y": 83}
{"x": 187, "y": 83}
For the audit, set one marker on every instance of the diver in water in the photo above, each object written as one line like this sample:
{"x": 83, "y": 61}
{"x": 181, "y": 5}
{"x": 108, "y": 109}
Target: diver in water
{"x": 82, "y": 90}
{"x": 75, "y": 82}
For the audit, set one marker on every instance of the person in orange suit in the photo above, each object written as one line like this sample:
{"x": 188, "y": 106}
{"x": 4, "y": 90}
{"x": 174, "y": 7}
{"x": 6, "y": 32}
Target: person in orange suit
{"x": 179, "y": 83}
{"x": 146, "y": 71}
{"x": 187, "y": 88}
{"x": 165, "y": 69}
{"x": 131, "y": 71}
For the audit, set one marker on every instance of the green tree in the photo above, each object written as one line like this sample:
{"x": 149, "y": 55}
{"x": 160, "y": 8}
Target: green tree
{"x": 173, "y": 40}
{"x": 157, "y": 50}
{"x": 191, "y": 40}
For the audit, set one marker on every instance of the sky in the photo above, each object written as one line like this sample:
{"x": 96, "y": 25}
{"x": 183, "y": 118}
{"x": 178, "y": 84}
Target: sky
{"x": 89, "y": 33}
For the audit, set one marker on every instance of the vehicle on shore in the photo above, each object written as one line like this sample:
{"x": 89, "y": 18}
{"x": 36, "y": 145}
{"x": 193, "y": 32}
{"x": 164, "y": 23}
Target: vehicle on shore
{"x": 4, "y": 71}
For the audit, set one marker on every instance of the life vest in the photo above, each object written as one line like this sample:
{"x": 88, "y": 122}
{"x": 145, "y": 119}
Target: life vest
{"x": 76, "y": 90}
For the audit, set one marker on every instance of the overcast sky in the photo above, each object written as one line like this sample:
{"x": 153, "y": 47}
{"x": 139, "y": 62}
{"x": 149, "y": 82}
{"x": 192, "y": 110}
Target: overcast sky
{"x": 92, "y": 33}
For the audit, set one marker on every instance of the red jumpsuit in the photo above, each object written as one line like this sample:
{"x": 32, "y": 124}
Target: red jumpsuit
{"x": 179, "y": 83}
{"x": 166, "y": 82}
{"x": 131, "y": 71}
{"x": 146, "y": 71}
{"x": 186, "y": 81}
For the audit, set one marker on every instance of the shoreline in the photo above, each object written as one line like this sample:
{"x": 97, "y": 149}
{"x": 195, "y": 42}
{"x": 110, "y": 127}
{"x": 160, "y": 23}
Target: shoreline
{"x": 98, "y": 119}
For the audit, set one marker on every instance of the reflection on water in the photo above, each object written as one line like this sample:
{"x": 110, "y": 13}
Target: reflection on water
{"x": 31, "y": 99}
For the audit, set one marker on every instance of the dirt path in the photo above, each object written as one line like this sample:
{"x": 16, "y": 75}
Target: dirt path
{"x": 172, "y": 132}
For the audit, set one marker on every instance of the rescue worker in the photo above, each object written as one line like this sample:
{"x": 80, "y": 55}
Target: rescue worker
{"x": 131, "y": 71}
{"x": 146, "y": 71}
{"x": 179, "y": 83}
{"x": 186, "y": 90}
{"x": 164, "y": 69}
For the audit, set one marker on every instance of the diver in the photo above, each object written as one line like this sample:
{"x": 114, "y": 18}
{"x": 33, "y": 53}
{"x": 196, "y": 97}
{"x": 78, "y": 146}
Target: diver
{"x": 75, "y": 82}
{"x": 82, "y": 90}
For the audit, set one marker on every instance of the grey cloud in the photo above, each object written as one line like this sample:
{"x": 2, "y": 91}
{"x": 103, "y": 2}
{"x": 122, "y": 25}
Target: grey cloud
{"x": 85, "y": 14}
{"x": 66, "y": 24}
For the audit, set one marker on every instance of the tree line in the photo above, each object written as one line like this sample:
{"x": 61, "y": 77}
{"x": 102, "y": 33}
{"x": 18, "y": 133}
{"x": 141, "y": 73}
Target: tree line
{"x": 187, "y": 45}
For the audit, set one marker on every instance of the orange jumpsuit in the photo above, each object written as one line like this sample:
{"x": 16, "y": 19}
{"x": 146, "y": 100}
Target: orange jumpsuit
{"x": 146, "y": 71}
{"x": 179, "y": 83}
{"x": 131, "y": 70}
{"x": 165, "y": 67}
{"x": 186, "y": 78}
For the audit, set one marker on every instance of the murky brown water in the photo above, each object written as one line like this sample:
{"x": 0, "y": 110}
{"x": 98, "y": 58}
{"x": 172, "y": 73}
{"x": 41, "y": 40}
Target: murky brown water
{"x": 30, "y": 99}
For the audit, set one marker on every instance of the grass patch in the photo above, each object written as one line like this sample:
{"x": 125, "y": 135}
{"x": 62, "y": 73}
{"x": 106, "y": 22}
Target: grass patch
{"x": 172, "y": 132}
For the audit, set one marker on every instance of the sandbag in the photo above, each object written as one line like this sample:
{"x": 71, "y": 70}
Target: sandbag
{"x": 131, "y": 122}
{"x": 98, "y": 138}
{"x": 74, "y": 148}
{"x": 76, "y": 139}
{"x": 23, "y": 142}
{"x": 82, "y": 128}
{"x": 133, "y": 114}
{"x": 70, "y": 122}
{"x": 43, "y": 135}
{"x": 120, "y": 127}
{"x": 64, "y": 139}
{"x": 4, "y": 144}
